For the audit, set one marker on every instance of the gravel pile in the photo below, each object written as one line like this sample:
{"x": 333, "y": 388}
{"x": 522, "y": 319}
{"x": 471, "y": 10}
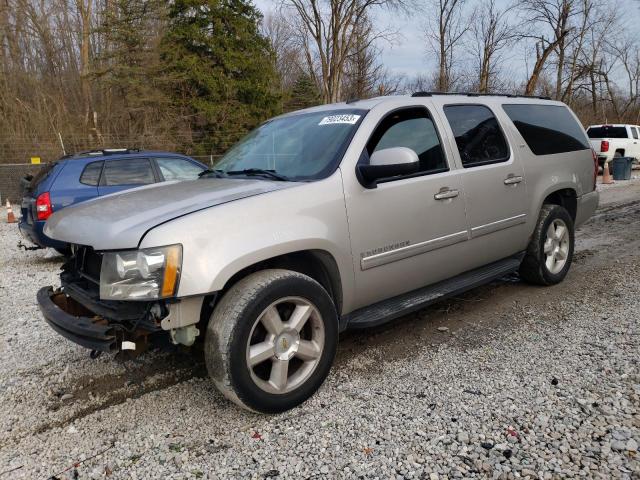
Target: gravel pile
{"x": 540, "y": 383}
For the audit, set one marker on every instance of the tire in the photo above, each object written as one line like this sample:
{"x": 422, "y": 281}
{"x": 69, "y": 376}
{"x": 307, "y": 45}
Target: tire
{"x": 536, "y": 267}
{"x": 245, "y": 318}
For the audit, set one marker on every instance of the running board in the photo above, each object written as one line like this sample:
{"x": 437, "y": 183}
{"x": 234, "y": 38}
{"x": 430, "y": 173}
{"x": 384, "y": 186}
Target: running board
{"x": 392, "y": 308}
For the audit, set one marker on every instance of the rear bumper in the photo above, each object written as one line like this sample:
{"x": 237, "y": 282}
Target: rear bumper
{"x": 74, "y": 322}
{"x": 34, "y": 234}
{"x": 587, "y": 205}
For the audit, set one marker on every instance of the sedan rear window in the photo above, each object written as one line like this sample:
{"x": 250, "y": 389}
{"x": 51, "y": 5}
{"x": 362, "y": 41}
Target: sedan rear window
{"x": 547, "y": 129}
{"x": 607, "y": 131}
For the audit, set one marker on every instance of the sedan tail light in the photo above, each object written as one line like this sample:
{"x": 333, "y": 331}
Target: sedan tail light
{"x": 604, "y": 146}
{"x": 43, "y": 206}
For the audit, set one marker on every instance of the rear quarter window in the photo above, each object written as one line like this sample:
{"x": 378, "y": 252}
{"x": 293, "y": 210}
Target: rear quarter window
{"x": 547, "y": 129}
{"x": 91, "y": 173}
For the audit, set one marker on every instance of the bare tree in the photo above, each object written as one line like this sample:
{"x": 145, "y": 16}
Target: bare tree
{"x": 444, "y": 34}
{"x": 84, "y": 11}
{"x": 626, "y": 52}
{"x": 364, "y": 74}
{"x": 327, "y": 31}
{"x": 492, "y": 32}
{"x": 550, "y": 21}
{"x": 289, "y": 55}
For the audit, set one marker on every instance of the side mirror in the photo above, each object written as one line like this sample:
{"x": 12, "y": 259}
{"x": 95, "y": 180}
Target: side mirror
{"x": 389, "y": 162}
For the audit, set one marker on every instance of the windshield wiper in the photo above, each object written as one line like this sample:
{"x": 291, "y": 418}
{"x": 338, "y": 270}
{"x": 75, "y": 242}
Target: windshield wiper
{"x": 212, "y": 173}
{"x": 272, "y": 174}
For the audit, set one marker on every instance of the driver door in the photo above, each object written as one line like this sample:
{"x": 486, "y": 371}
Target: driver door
{"x": 404, "y": 233}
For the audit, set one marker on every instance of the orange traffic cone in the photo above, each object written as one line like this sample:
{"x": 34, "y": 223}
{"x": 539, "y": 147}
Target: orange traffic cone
{"x": 606, "y": 176}
{"x": 11, "y": 218}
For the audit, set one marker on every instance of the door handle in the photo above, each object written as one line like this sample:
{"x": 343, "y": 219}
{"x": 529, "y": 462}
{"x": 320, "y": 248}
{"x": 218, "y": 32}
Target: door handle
{"x": 512, "y": 180}
{"x": 446, "y": 193}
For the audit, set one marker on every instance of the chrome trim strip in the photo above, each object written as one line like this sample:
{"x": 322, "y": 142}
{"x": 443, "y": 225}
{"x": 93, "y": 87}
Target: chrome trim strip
{"x": 412, "y": 250}
{"x": 498, "y": 225}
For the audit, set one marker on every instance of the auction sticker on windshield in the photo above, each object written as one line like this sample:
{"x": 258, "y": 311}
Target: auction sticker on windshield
{"x": 335, "y": 119}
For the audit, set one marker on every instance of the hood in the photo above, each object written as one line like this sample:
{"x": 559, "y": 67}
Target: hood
{"x": 120, "y": 220}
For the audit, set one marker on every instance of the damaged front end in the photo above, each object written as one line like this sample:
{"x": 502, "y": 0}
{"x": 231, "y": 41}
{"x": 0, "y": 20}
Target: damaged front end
{"x": 76, "y": 311}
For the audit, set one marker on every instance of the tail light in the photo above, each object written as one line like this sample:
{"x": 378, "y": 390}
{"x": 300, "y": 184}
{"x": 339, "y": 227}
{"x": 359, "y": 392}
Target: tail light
{"x": 604, "y": 146}
{"x": 595, "y": 167}
{"x": 43, "y": 206}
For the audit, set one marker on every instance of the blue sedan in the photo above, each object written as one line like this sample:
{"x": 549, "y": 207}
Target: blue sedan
{"x": 81, "y": 177}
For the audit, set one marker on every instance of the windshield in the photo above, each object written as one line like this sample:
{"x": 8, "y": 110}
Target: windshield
{"x": 299, "y": 147}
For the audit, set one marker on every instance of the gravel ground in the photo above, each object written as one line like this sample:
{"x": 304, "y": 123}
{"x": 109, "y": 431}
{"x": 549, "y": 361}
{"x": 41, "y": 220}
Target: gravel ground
{"x": 507, "y": 381}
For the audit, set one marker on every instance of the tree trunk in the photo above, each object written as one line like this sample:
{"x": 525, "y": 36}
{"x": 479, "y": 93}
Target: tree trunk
{"x": 85, "y": 81}
{"x": 541, "y": 56}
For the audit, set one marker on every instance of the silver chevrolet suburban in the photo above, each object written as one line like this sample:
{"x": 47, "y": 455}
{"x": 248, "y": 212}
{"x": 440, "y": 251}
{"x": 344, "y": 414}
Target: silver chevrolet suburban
{"x": 336, "y": 217}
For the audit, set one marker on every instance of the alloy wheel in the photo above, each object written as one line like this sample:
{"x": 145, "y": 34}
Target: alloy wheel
{"x": 556, "y": 246}
{"x": 285, "y": 345}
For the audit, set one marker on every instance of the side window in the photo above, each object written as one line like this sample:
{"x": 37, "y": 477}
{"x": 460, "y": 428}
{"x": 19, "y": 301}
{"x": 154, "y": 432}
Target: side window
{"x": 178, "y": 169}
{"x": 411, "y": 128}
{"x": 634, "y": 132}
{"x": 549, "y": 129}
{"x": 91, "y": 173}
{"x": 478, "y": 136}
{"x": 132, "y": 171}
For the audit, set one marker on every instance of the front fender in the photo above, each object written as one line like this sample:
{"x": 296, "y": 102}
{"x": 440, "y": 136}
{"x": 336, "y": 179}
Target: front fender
{"x": 220, "y": 241}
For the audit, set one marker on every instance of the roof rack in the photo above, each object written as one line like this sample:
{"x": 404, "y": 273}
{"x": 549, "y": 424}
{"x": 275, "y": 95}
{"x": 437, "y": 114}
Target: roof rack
{"x": 474, "y": 94}
{"x": 109, "y": 151}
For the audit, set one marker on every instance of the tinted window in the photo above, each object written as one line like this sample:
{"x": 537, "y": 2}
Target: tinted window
{"x": 178, "y": 169}
{"x": 607, "y": 131}
{"x": 547, "y": 129}
{"x": 478, "y": 136}
{"x": 133, "y": 171}
{"x": 634, "y": 132}
{"x": 411, "y": 128}
{"x": 91, "y": 173}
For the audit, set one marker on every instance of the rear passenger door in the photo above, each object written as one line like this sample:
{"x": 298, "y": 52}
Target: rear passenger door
{"x": 493, "y": 183}
{"x": 122, "y": 174}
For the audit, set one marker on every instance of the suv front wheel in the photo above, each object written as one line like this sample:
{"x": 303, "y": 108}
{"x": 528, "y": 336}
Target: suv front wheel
{"x": 271, "y": 340}
{"x": 550, "y": 251}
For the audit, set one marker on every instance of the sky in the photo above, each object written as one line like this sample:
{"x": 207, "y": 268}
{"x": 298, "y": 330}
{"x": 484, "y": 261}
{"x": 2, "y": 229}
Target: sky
{"x": 408, "y": 54}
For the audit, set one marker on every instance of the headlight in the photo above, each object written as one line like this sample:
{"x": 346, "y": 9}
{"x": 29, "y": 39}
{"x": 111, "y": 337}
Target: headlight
{"x": 146, "y": 274}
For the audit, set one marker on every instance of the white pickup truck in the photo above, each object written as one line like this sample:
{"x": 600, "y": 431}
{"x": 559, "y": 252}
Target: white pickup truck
{"x": 616, "y": 140}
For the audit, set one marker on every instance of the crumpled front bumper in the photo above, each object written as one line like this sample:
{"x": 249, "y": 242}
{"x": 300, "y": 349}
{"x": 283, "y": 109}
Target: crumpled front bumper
{"x": 75, "y": 322}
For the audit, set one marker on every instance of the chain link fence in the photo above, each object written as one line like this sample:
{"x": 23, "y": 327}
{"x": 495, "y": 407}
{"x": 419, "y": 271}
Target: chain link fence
{"x": 20, "y": 149}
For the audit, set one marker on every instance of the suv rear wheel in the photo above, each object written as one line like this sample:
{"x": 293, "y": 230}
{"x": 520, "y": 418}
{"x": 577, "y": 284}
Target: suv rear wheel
{"x": 271, "y": 340}
{"x": 550, "y": 250}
